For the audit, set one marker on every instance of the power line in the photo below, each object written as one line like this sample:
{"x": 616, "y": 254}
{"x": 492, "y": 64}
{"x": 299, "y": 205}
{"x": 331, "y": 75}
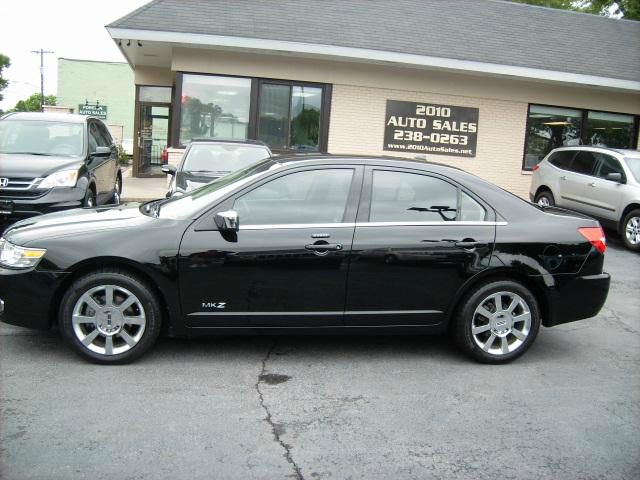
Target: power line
{"x": 41, "y": 52}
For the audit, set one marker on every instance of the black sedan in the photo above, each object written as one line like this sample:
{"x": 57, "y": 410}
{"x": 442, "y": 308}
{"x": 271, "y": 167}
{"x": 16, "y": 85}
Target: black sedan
{"x": 206, "y": 159}
{"x": 329, "y": 244}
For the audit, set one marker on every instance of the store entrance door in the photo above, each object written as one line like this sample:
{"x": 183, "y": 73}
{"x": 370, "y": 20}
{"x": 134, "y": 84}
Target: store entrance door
{"x": 153, "y": 137}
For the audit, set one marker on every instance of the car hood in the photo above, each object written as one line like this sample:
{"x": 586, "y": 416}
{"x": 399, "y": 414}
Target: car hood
{"x": 14, "y": 165}
{"x": 188, "y": 181}
{"x": 76, "y": 222}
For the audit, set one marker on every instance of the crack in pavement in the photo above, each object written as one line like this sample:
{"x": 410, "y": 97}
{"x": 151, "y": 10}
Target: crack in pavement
{"x": 269, "y": 419}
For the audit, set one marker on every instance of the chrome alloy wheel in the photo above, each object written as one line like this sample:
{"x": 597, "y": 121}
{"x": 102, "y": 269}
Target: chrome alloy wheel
{"x": 544, "y": 201}
{"x": 108, "y": 320}
{"x": 632, "y": 230}
{"x": 501, "y": 323}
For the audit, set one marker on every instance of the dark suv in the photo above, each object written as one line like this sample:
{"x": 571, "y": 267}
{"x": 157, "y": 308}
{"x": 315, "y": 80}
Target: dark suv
{"x": 51, "y": 162}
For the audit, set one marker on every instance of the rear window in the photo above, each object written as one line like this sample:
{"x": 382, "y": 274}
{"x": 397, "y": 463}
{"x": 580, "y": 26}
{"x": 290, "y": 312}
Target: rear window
{"x": 583, "y": 163}
{"x": 561, "y": 159}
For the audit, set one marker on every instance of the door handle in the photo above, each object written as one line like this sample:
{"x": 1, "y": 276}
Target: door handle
{"x": 592, "y": 184}
{"x": 320, "y": 247}
{"x": 563, "y": 177}
{"x": 470, "y": 244}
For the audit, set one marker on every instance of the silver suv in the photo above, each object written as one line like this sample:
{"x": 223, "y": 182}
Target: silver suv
{"x": 603, "y": 183}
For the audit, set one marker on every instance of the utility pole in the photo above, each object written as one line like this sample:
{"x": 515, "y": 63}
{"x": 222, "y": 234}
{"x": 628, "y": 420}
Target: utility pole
{"x": 41, "y": 52}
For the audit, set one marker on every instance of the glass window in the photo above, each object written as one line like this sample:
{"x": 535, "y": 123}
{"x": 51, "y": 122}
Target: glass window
{"x": 154, "y": 94}
{"x": 314, "y": 196}
{"x": 634, "y": 165}
{"x": 549, "y": 128}
{"x": 289, "y": 117}
{"x": 470, "y": 210}
{"x": 41, "y": 137}
{"x": 610, "y": 130}
{"x": 214, "y": 107}
{"x": 606, "y": 165}
{"x": 562, "y": 159}
{"x": 222, "y": 157}
{"x": 583, "y": 163}
{"x": 399, "y": 196}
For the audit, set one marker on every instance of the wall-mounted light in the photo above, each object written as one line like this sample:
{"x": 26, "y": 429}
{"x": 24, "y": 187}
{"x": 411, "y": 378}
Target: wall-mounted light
{"x": 139, "y": 43}
{"x": 129, "y": 43}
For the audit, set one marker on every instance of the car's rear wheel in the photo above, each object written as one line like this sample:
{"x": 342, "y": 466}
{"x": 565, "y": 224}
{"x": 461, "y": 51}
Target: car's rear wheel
{"x": 497, "y": 321}
{"x": 545, "y": 199}
{"x": 631, "y": 230}
{"x": 110, "y": 316}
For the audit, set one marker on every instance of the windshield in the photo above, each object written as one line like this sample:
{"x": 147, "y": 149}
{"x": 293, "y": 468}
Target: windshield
{"x": 185, "y": 206}
{"x": 634, "y": 165}
{"x": 41, "y": 137}
{"x": 220, "y": 157}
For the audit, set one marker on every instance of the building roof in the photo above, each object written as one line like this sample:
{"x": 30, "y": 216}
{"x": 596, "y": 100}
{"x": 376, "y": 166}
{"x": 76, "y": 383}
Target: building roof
{"x": 487, "y": 32}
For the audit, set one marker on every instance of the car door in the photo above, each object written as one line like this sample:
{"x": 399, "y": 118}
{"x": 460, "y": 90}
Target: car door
{"x": 574, "y": 191}
{"x": 112, "y": 164}
{"x": 287, "y": 264}
{"x": 99, "y": 166}
{"x": 418, "y": 238}
{"x": 603, "y": 196}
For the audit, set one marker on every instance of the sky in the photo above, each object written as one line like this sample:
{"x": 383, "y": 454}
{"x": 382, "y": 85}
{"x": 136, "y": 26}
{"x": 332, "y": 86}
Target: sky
{"x": 69, "y": 28}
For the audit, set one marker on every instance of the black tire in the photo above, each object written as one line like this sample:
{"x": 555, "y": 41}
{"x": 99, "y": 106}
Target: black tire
{"x": 631, "y": 230}
{"x": 117, "y": 191}
{"x": 133, "y": 328}
{"x": 89, "y": 199}
{"x": 502, "y": 325}
{"x": 545, "y": 199}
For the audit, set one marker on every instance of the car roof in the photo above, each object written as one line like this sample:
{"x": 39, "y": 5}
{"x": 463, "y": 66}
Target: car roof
{"x": 255, "y": 143}
{"x": 621, "y": 151}
{"x": 47, "y": 116}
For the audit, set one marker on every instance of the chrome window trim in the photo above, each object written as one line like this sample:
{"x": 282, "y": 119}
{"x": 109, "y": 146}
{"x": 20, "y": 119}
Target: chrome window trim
{"x": 370, "y": 224}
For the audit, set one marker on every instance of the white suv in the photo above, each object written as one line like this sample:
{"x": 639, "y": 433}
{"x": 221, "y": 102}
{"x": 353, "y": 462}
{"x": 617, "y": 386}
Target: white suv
{"x": 603, "y": 183}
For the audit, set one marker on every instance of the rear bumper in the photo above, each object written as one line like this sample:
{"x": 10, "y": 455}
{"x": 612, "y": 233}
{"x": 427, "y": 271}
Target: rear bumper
{"x": 576, "y": 298}
{"x": 26, "y": 297}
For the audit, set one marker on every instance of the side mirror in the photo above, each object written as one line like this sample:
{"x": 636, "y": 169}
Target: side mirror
{"x": 101, "y": 152}
{"x": 227, "y": 221}
{"x": 168, "y": 169}
{"x": 615, "y": 177}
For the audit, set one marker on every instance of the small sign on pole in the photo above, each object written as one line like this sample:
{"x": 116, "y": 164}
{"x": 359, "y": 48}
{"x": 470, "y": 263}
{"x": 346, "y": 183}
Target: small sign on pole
{"x": 99, "y": 111}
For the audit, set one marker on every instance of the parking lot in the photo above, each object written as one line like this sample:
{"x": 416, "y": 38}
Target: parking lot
{"x": 330, "y": 407}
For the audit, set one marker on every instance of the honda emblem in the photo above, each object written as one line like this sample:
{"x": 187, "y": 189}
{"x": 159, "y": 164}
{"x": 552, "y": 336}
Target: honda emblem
{"x": 4, "y": 182}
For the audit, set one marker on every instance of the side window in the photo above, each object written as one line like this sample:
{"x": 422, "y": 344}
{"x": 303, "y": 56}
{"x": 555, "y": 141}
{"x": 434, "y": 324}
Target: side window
{"x": 312, "y": 196}
{"x": 400, "y": 196}
{"x": 583, "y": 162}
{"x": 562, "y": 159}
{"x": 94, "y": 137}
{"x": 606, "y": 165}
{"x": 105, "y": 136}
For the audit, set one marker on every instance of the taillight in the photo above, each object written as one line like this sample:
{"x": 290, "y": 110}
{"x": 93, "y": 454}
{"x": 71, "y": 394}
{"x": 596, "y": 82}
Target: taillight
{"x": 535, "y": 167}
{"x": 596, "y": 237}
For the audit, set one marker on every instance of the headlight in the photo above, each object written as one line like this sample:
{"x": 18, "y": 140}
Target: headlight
{"x": 64, "y": 178}
{"x": 13, "y": 256}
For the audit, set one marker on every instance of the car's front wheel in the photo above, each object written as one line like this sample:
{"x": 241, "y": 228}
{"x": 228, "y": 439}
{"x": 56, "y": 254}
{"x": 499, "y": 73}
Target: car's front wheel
{"x": 89, "y": 199}
{"x": 497, "y": 321}
{"x": 110, "y": 316}
{"x": 545, "y": 199}
{"x": 631, "y": 230}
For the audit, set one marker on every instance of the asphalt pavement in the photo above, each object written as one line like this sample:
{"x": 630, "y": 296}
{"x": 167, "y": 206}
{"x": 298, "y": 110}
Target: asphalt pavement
{"x": 332, "y": 407}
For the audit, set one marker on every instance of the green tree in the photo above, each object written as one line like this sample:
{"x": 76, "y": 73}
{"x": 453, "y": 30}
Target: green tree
{"x": 4, "y": 63}
{"x": 32, "y": 104}
{"x": 627, "y": 9}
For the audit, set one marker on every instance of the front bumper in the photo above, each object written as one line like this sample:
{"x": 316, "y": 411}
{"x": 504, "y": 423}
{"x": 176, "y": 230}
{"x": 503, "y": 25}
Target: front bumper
{"x": 54, "y": 200}
{"x": 576, "y": 298}
{"x": 27, "y": 297}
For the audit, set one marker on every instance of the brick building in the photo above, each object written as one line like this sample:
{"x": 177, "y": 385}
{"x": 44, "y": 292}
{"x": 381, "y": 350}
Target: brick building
{"x": 486, "y": 85}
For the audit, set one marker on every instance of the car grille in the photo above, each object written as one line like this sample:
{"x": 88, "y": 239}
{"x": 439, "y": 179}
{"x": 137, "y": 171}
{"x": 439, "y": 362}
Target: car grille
{"x": 21, "y": 188}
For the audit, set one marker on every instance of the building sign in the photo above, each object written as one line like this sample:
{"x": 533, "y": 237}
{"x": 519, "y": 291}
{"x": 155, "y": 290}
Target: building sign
{"x": 429, "y": 128}
{"x": 99, "y": 111}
